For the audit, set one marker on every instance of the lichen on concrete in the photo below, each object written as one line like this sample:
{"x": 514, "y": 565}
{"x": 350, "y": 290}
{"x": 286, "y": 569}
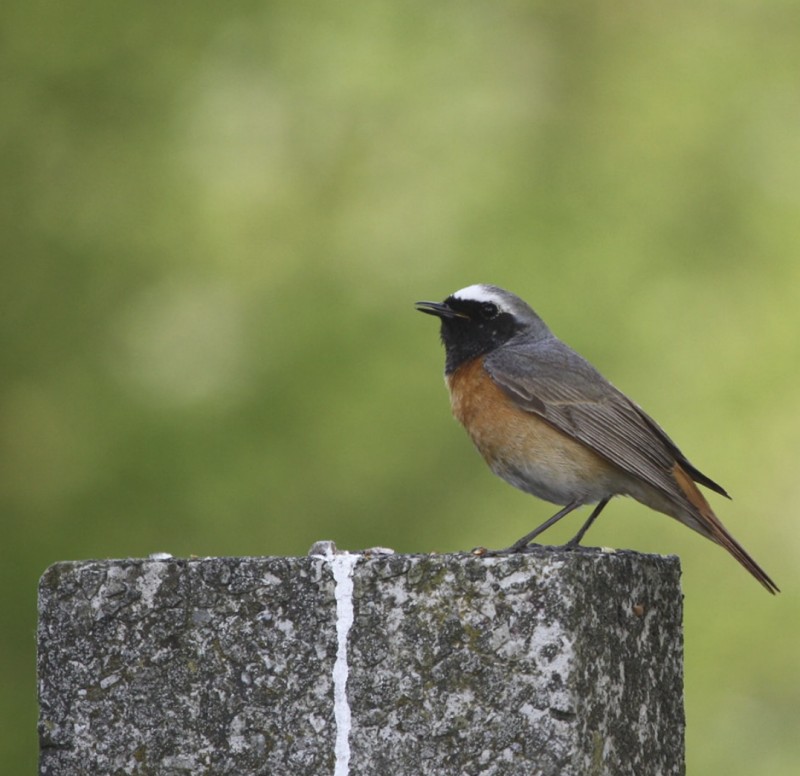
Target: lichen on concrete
{"x": 186, "y": 666}
{"x": 551, "y": 662}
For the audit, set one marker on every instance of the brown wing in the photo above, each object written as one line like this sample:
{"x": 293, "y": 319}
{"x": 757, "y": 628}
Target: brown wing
{"x": 553, "y": 381}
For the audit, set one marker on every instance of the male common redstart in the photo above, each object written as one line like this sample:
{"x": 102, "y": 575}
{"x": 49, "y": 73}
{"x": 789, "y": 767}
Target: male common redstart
{"x": 548, "y": 423}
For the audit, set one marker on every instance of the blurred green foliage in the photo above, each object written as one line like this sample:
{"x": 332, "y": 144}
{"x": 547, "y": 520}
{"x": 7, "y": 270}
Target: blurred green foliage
{"x": 216, "y": 218}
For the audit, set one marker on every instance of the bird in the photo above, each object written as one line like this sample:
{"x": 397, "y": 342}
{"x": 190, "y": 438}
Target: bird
{"x": 547, "y": 422}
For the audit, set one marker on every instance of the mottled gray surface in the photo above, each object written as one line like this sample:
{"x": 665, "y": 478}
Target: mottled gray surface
{"x": 553, "y": 662}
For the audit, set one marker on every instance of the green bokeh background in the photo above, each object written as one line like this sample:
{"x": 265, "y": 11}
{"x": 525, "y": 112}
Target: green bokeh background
{"x": 216, "y": 218}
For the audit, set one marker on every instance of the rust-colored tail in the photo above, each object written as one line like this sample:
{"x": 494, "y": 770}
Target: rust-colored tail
{"x": 711, "y": 526}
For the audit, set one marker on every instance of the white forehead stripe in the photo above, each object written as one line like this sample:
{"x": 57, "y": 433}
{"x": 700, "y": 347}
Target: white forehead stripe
{"x": 479, "y": 293}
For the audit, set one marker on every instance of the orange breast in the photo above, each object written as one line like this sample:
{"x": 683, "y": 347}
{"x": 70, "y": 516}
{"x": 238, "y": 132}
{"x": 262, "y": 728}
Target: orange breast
{"x": 521, "y": 447}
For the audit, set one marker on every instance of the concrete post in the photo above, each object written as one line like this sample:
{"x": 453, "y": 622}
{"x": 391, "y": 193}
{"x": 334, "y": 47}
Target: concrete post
{"x": 552, "y": 663}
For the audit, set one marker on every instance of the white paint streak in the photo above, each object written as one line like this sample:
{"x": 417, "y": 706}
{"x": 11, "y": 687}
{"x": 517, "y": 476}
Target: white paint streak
{"x": 342, "y": 565}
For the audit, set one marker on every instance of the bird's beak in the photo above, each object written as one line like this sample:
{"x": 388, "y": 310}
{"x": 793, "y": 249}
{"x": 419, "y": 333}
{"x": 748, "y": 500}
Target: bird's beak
{"x": 439, "y": 309}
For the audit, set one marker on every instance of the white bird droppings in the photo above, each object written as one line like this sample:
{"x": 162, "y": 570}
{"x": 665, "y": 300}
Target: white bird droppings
{"x": 342, "y": 565}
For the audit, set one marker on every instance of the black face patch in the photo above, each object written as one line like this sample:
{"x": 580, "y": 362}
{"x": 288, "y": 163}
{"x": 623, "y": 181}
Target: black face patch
{"x": 479, "y": 328}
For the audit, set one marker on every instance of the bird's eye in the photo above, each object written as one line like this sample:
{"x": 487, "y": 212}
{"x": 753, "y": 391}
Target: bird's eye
{"x": 488, "y": 310}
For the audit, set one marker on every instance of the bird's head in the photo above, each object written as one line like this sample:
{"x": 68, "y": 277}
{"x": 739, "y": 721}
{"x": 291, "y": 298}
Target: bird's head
{"x": 480, "y": 318}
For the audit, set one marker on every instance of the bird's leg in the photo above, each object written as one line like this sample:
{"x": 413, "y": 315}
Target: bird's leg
{"x": 576, "y": 540}
{"x": 522, "y": 543}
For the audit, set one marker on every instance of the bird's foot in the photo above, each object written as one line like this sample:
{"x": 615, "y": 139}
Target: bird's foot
{"x": 524, "y": 549}
{"x": 514, "y": 549}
